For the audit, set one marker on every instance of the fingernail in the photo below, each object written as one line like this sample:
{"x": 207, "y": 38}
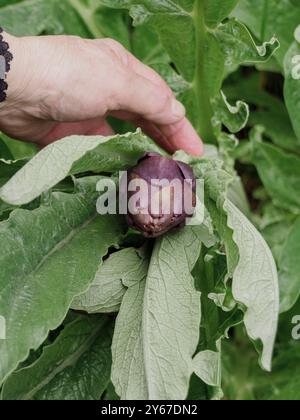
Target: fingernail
{"x": 178, "y": 110}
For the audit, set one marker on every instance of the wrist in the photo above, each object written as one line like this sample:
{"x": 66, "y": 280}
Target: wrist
{"x": 15, "y": 77}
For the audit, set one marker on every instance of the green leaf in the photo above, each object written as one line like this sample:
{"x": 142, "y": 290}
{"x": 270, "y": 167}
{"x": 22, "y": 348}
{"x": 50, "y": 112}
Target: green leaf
{"x": 250, "y": 89}
{"x": 292, "y": 85}
{"x": 109, "y": 286}
{"x": 157, "y": 327}
{"x": 268, "y": 110}
{"x": 207, "y": 365}
{"x": 97, "y": 19}
{"x": 34, "y": 17}
{"x": 172, "y": 22}
{"x": 250, "y": 263}
{"x": 277, "y": 127}
{"x": 289, "y": 392}
{"x": 8, "y": 168}
{"x": 178, "y": 85}
{"x": 289, "y": 265}
{"x": 274, "y": 164}
{"x": 255, "y": 282}
{"x": 48, "y": 256}
{"x": 239, "y": 47}
{"x": 128, "y": 369}
{"x": 211, "y": 278}
{"x": 146, "y": 46}
{"x": 217, "y": 10}
{"x": 198, "y": 53}
{"x": 5, "y": 153}
{"x": 268, "y": 18}
{"x": 210, "y": 275}
{"x": 286, "y": 376}
{"x": 74, "y": 155}
{"x": 85, "y": 18}
{"x": 276, "y": 231}
{"x": 75, "y": 367}
{"x": 110, "y": 394}
{"x": 171, "y": 315}
{"x": 19, "y": 149}
{"x": 234, "y": 117}
{"x": 217, "y": 183}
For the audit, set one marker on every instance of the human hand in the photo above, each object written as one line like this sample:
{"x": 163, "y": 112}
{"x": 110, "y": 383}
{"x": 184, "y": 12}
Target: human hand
{"x": 64, "y": 85}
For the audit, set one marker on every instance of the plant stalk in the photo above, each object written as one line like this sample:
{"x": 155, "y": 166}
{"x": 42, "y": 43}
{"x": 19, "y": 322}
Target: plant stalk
{"x": 87, "y": 15}
{"x": 204, "y": 108}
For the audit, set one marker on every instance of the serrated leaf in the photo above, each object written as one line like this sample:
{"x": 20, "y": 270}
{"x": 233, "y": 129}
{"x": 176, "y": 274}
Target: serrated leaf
{"x": 48, "y": 256}
{"x": 239, "y": 46}
{"x": 210, "y": 275}
{"x": 269, "y": 17}
{"x": 74, "y": 155}
{"x": 234, "y": 117}
{"x": 119, "y": 271}
{"x": 255, "y": 282}
{"x": 75, "y": 367}
{"x": 250, "y": 263}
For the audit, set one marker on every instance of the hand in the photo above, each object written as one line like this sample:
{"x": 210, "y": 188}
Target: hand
{"x": 64, "y": 85}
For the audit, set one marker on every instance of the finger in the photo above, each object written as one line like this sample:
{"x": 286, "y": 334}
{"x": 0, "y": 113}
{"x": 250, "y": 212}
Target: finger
{"x": 104, "y": 129}
{"x": 90, "y": 127}
{"x": 156, "y": 104}
{"x": 179, "y": 136}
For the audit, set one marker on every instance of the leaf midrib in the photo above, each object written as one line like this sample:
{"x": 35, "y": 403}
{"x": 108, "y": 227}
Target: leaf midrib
{"x": 71, "y": 360}
{"x": 56, "y": 248}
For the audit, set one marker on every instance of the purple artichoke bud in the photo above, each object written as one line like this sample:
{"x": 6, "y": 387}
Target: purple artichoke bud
{"x": 161, "y": 195}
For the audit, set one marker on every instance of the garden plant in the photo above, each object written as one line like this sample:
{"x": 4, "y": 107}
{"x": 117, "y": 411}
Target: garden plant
{"x": 91, "y": 308}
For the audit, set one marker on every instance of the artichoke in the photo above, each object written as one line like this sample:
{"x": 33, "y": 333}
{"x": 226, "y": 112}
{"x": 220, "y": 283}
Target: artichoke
{"x": 166, "y": 194}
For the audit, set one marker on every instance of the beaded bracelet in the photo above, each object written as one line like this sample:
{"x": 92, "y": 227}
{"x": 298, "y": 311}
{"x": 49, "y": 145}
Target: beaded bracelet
{"x": 5, "y": 60}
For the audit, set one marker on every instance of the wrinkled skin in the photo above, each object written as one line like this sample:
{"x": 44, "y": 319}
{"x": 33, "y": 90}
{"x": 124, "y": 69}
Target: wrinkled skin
{"x": 154, "y": 221}
{"x": 64, "y": 85}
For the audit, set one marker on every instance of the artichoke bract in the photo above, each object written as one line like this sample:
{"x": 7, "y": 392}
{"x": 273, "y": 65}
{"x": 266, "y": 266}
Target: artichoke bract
{"x": 161, "y": 194}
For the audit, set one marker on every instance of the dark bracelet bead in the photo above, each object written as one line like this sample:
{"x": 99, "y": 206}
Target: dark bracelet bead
{"x": 4, "y": 52}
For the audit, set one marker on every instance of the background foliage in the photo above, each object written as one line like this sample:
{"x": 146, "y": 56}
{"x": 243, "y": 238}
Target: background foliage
{"x": 52, "y": 244}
